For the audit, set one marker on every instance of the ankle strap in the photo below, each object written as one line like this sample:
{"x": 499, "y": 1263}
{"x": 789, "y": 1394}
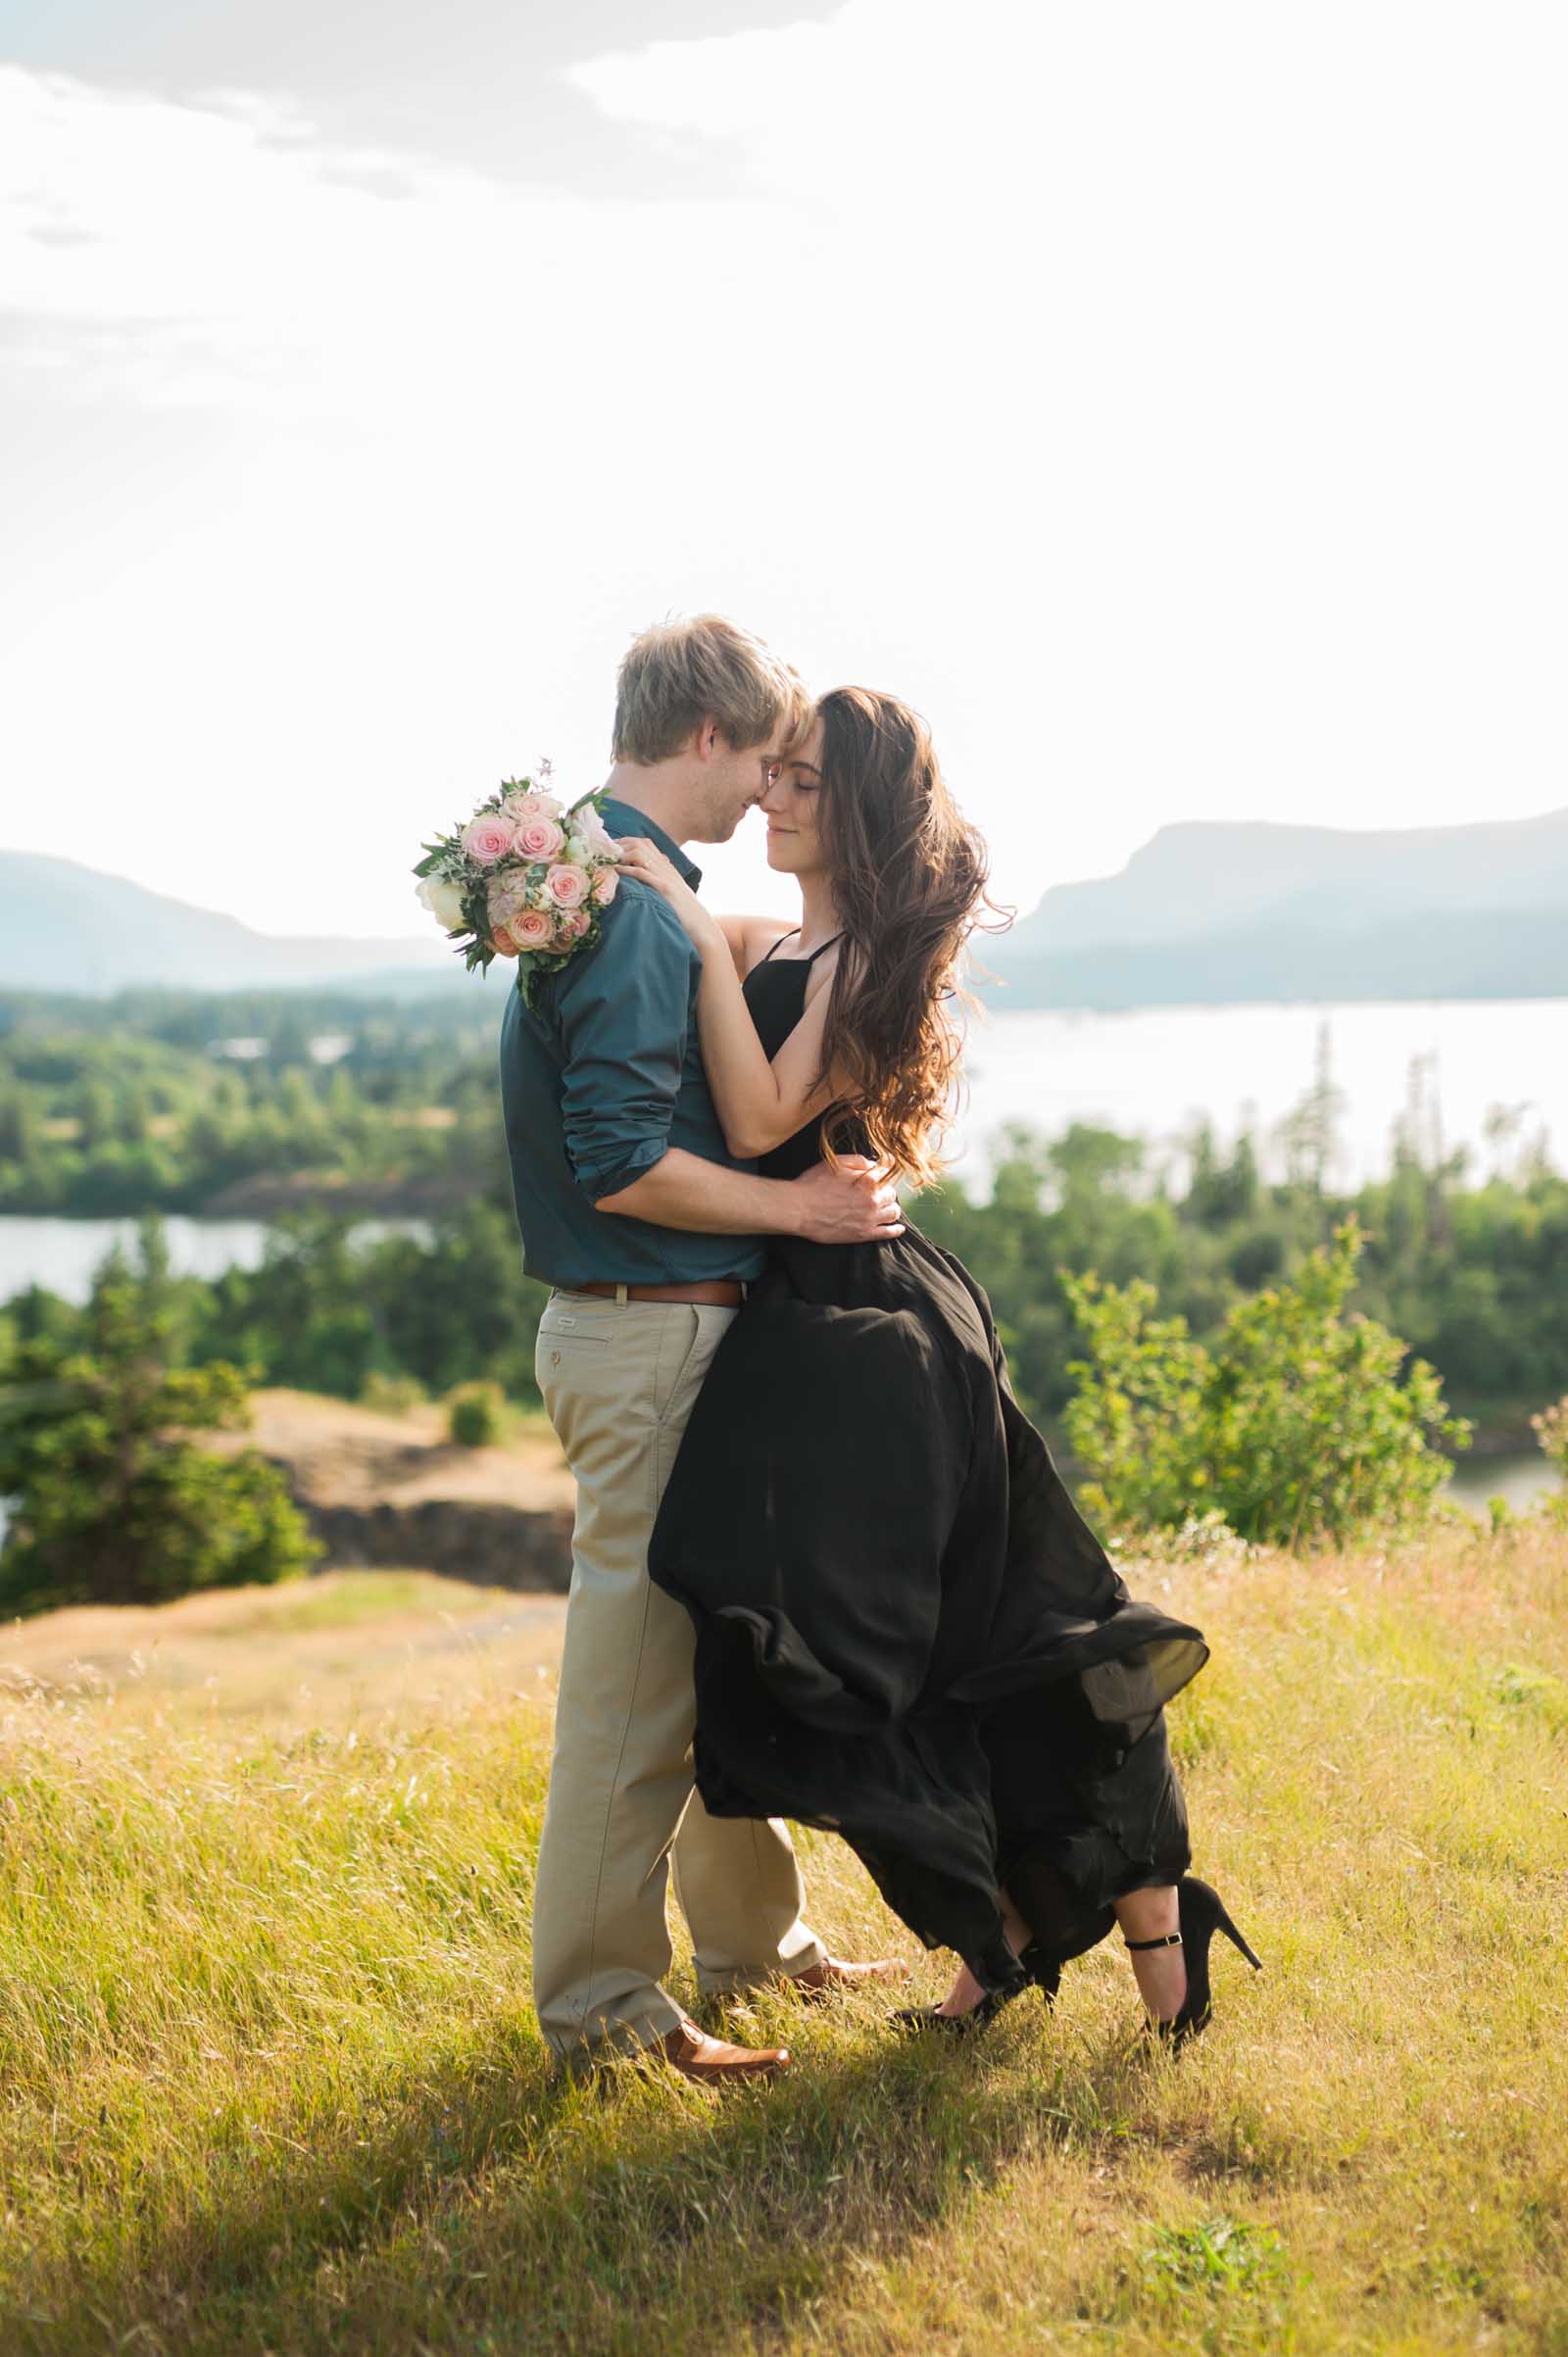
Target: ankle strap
{"x": 1165, "y": 1939}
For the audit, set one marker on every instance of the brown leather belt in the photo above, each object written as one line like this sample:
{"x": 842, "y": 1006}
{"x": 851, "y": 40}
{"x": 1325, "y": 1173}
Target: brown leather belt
{"x": 709, "y": 1293}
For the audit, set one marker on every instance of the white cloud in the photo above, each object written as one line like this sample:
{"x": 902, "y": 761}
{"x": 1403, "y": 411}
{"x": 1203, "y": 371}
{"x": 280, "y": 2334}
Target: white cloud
{"x": 220, "y": 252}
{"x": 1167, "y": 400}
{"x": 384, "y": 566}
{"x": 733, "y": 85}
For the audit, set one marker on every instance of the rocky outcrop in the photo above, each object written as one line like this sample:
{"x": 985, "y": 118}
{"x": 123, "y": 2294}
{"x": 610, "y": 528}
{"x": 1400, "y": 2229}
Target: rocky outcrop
{"x": 392, "y": 1492}
{"x": 494, "y": 1545}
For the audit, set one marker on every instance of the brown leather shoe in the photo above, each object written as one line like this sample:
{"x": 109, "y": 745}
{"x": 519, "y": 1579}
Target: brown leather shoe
{"x": 711, "y": 2061}
{"x": 833, "y": 1974}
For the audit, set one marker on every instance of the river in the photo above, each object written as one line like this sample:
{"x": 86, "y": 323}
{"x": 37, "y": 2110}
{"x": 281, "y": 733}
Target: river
{"x": 1152, "y": 1073}
{"x": 62, "y": 1254}
{"x": 1155, "y": 1071}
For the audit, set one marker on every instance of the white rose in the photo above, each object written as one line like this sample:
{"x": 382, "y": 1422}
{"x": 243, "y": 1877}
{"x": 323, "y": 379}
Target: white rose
{"x": 577, "y": 850}
{"x": 595, "y": 833}
{"x": 444, "y": 900}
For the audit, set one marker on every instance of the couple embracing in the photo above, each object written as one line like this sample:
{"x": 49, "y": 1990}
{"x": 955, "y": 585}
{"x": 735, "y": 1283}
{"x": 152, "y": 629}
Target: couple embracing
{"x": 823, "y": 1567}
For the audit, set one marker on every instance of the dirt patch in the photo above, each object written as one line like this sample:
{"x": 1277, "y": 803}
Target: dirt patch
{"x": 328, "y": 1647}
{"x": 393, "y": 1490}
{"x": 343, "y": 1454}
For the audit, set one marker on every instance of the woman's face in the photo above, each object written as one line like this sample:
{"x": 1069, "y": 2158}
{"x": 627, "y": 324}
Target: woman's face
{"x": 790, "y": 804}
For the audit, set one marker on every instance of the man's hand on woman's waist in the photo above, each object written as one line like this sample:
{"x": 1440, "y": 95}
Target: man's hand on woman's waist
{"x": 856, "y": 1202}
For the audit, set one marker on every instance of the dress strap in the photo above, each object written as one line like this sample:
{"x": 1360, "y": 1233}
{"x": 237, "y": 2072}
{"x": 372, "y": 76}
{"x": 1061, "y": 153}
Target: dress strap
{"x": 789, "y": 936}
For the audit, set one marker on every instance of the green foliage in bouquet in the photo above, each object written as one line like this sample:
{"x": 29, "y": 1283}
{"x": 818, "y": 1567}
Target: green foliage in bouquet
{"x": 1293, "y": 1424}
{"x": 110, "y": 1501}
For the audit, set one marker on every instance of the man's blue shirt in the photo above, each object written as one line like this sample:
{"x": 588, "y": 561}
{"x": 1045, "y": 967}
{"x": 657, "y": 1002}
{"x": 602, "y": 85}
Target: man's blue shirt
{"x": 599, "y": 1081}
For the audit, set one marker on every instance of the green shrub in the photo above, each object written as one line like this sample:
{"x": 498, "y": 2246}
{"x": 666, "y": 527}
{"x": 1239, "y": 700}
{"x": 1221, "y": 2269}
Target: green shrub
{"x": 391, "y": 1394}
{"x": 1551, "y": 1431}
{"x": 477, "y": 1415}
{"x": 109, "y": 1503}
{"x": 1139, "y": 1417}
{"x": 1293, "y": 1424}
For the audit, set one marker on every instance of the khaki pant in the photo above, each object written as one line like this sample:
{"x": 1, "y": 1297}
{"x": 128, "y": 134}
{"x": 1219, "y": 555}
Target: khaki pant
{"x": 618, "y": 1380}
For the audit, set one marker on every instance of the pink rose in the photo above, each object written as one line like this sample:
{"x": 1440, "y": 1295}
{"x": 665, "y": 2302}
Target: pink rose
{"x": 488, "y": 836}
{"x": 521, "y": 807}
{"x": 539, "y": 838}
{"x": 505, "y": 895}
{"x": 501, "y": 940}
{"x": 531, "y": 930}
{"x": 572, "y": 923}
{"x": 606, "y": 886}
{"x": 568, "y": 886}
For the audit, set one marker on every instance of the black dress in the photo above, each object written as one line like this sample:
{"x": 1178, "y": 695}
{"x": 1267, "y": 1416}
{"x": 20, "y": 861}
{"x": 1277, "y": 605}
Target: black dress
{"x": 906, "y": 1631}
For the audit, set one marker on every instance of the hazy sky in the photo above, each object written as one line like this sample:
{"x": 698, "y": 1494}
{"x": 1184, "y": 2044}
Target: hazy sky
{"x": 1167, "y": 399}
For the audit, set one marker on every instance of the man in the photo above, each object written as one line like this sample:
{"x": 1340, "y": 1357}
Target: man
{"x": 648, "y": 1230}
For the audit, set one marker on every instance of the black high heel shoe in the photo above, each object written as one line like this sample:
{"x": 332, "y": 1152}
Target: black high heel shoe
{"x": 1040, "y": 1968}
{"x": 1003, "y": 1976}
{"x": 957, "y": 2025}
{"x": 1043, "y": 1970}
{"x": 1043, "y": 1964}
{"x": 1202, "y": 1913}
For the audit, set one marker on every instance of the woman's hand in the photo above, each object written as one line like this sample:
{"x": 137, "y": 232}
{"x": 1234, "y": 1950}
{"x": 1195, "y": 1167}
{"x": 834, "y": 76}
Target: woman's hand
{"x": 649, "y": 864}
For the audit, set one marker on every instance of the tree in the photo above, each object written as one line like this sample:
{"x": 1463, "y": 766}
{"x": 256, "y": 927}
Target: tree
{"x": 1292, "y": 1424}
{"x": 110, "y": 1501}
{"x": 1309, "y": 1134}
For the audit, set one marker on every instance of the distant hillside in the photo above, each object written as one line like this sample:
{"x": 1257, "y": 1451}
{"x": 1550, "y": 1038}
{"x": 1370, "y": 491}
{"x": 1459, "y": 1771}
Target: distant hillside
{"x": 65, "y": 927}
{"x": 1204, "y": 914}
{"x": 1211, "y": 914}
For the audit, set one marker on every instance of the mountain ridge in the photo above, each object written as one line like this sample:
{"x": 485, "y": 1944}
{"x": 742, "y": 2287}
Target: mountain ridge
{"x": 1209, "y": 911}
{"x": 1194, "y": 874}
{"x": 1216, "y": 913}
{"x": 66, "y": 926}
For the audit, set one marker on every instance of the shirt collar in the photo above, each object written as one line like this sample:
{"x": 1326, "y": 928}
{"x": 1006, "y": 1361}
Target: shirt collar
{"x": 622, "y": 819}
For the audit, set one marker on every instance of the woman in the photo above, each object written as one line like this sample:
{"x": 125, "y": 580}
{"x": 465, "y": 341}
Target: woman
{"x": 905, "y": 1630}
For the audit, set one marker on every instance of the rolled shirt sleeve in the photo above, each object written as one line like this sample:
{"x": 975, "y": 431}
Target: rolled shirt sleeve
{"x": 624, "y": 1014}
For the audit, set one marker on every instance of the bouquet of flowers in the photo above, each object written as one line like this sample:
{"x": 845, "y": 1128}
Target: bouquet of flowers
{"x": 526, "y": 879}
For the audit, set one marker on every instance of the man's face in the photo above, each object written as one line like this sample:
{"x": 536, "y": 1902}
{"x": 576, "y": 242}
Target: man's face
{"x": 734, "y": 779}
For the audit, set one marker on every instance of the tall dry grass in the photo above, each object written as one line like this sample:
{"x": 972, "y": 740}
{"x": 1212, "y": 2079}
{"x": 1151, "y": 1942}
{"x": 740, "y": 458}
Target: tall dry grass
{"x": 268, "y": 2079}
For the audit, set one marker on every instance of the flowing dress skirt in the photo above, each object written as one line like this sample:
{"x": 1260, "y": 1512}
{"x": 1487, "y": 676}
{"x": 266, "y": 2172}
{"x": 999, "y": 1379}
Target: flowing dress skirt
{"x": 906, "y": 1631}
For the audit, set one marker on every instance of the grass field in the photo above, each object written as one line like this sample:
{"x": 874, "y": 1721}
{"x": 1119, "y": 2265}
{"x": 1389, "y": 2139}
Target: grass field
{"x": 269, "y": 2079}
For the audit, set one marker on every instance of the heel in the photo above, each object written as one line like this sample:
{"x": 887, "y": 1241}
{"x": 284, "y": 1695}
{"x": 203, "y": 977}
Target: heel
{"x": 1043, "y": 1970}
{"x": 1202, "y": 1913}
{"x": 1225, "y": 1924}
{"x": 1042, "y": 1961}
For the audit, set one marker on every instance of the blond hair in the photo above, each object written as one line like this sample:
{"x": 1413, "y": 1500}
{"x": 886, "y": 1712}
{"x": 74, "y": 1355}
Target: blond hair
{"x": 680, "y": 673}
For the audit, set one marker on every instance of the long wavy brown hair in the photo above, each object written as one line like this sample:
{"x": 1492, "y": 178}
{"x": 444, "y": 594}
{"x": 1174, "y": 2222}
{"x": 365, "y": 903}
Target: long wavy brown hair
{"x": 908, "y": 875}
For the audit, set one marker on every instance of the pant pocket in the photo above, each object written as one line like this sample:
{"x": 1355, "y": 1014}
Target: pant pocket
{"x": 569, "y": 1369}
{"x": 678, "y": 1345}
{"x": 684, "y": 1361}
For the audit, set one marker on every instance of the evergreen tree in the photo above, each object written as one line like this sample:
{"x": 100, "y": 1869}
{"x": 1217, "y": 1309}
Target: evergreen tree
{"x": 110, "y": 1500}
